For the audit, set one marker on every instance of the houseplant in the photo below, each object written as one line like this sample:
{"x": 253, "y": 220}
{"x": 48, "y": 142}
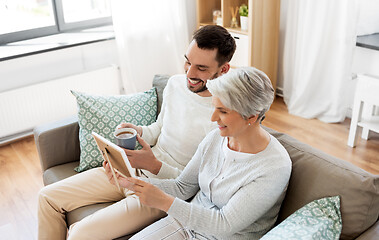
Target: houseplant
{"x": 244, "y": 13}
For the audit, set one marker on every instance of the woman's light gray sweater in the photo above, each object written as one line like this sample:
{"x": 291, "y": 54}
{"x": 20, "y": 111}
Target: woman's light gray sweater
{"x": 244, "y": 204}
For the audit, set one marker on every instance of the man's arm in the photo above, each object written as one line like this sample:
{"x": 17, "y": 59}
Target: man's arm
{"x": 143, "y": 158}
{"x": 148, "y": 136}
{"x": 151, "y": 133}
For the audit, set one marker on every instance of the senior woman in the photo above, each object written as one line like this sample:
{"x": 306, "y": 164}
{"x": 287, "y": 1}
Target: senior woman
{"x": 238, "y": 175}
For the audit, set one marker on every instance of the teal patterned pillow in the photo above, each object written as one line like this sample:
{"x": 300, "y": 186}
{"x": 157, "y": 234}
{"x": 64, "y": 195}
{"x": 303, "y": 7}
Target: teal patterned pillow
{"x": 103, "y": 113}
{"x": 320, "y": 219}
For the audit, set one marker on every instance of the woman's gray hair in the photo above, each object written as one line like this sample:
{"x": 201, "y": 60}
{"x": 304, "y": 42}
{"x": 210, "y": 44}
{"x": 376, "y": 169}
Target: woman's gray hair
{"x": 245, "y": 90}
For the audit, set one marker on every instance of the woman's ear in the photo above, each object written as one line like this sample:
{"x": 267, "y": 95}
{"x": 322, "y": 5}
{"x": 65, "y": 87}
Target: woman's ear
{"x": 253, "y": 119}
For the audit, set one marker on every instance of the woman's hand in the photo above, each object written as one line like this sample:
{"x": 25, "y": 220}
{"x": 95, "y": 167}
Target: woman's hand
{"x": 108, "y": 172}
{"x": 144, "y": 158}
{"x": 130, "y": 125}
{"x": 148, "y": 194}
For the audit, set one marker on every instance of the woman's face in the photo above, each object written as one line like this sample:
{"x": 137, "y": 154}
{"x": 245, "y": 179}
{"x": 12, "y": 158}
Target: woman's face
{"x": 230, "y": 122}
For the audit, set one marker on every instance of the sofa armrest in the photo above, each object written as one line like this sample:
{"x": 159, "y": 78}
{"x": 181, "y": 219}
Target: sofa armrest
{"x": 58, "y": 142}
{"x": 371, "y": 233}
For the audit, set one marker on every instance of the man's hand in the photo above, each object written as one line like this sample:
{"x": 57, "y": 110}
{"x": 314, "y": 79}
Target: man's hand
{"x": 144, "y": 158}
{"x": 130, "y": 125}
{"x": 148, "y": 194}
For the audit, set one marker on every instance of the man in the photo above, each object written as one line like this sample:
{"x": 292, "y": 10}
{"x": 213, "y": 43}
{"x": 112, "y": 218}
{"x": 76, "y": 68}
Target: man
{"x": 182, "y": 124}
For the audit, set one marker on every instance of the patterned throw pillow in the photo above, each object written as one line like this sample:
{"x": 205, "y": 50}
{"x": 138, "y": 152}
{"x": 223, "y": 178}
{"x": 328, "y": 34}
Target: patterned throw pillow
{"x": 102, "y": 114}
{"x": 320, "y": 219}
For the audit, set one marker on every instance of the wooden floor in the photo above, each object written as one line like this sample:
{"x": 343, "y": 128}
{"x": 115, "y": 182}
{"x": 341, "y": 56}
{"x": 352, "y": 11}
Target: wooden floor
{"x": 20, "y": 181}
{"x": 21, "y": 176}
{"x": 330, "y": 138}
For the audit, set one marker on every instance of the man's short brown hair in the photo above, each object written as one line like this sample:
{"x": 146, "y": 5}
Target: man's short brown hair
{"x": 216, "y": 37}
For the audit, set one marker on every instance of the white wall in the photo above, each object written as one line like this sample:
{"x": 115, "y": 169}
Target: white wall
{"x": 25, "y": 71}
{"x": 17, "y": 73}
{"x": 366, "y": 61}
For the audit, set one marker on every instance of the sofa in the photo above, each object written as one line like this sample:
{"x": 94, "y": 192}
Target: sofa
{"x": 314, "y": 175}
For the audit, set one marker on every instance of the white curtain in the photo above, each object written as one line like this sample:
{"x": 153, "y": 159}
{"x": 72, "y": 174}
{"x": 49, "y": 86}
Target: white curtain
{"x": 317, "y": 60}
{"x": 152, "y": 37}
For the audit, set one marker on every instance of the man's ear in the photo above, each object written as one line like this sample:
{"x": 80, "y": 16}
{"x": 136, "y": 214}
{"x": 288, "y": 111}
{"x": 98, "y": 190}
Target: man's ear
{"x": 225, "y": 68}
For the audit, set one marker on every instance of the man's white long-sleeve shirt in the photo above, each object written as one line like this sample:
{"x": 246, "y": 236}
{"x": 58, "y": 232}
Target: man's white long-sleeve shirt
{"x": 182, "y": 124}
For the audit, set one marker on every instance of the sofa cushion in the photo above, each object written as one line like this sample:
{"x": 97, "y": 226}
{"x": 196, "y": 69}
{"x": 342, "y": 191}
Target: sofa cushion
{"x": 57, "y": 142}
{"x": 316, "y": 175}
{"x": 102, "y": 114}
{"x": 319, "y": 219}
{"x": 371, "y": 233}
{"x": 160, "y": 82}
{"x": 59, "y": 172}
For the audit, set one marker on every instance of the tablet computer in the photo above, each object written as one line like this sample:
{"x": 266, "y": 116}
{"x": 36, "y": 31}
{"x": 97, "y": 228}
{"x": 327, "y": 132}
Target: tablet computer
{"x": 116, "y": 157}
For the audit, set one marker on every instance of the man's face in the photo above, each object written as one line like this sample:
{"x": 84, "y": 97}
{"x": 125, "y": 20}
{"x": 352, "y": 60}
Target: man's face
{"x": 201, "y": 66}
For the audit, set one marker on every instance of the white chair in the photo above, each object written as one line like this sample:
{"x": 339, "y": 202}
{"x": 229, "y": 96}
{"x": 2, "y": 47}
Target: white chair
{"x": 366, "y": 95}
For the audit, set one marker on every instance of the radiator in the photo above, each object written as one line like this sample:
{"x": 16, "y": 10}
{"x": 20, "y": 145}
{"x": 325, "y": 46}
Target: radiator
{"x": 24, "y": 108}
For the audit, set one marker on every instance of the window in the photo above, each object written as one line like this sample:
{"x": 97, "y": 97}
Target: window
{"x": 26, "y": 19}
